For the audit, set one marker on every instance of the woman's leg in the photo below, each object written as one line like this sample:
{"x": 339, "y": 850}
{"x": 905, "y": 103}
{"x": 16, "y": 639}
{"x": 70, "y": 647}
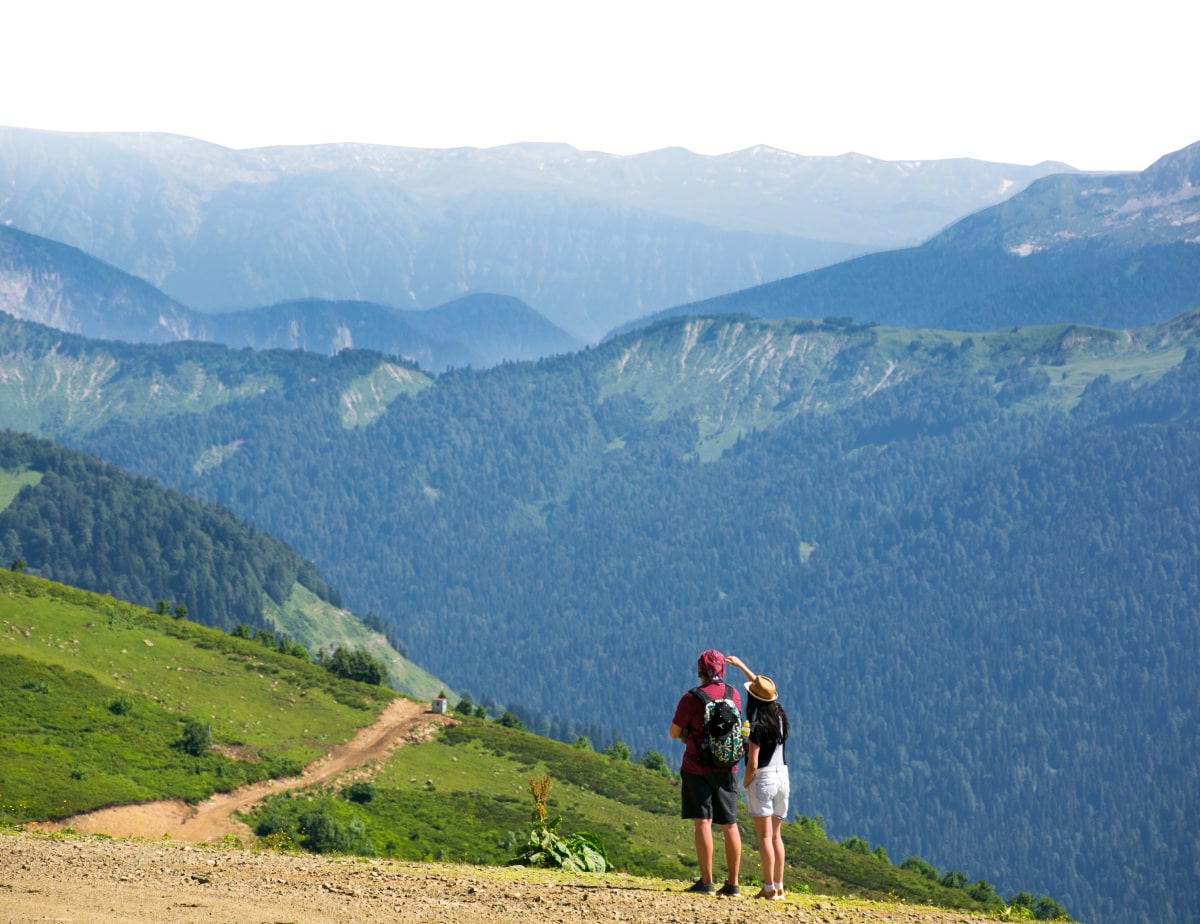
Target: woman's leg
{"x": 766, "y": 848}
{"x": 776, "y": 833}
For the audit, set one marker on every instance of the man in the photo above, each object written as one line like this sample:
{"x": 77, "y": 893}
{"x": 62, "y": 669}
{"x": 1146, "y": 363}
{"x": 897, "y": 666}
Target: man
{"x": 710, "y": 794}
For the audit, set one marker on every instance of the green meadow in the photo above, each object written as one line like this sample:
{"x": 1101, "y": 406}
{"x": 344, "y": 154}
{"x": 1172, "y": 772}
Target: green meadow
{"x": 464, "y": 797}
{"x": 98, "y": 694}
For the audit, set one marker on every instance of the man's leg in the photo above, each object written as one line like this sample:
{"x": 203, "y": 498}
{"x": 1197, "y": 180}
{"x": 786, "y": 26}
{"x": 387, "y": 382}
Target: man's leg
{"x": 704, "y": 848}
{"x": 733, "y": 852}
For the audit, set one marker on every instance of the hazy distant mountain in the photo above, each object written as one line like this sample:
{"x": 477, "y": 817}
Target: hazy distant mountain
{"x": 327, "y": 327}
{"x": 500, "y": 328}
{"x": 64, "y": 288}
{"x": 1119, "y": 250}
{"x": 589, "y": 240}
{"x": 476, "y": 330}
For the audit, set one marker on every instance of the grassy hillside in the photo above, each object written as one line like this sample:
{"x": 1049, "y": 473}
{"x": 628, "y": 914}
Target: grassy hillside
{"x": 97, "y": 694}
{"x": 736, "y": 375}
{"x": 464, "y": 796}
{"x": 57, "y": 382}
{"x": 96, "y": 697}
{"x": 317, "y": 624}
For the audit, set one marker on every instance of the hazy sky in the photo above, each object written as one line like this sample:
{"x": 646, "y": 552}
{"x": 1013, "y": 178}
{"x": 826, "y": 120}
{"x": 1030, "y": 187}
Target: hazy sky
{"x": 1100, "y": 86}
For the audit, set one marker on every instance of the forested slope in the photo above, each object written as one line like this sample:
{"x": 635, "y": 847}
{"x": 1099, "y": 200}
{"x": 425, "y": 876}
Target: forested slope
{"x": 969, "y": 562}
{"x": 70, "y": 518}
{"x": 94, "y": 526}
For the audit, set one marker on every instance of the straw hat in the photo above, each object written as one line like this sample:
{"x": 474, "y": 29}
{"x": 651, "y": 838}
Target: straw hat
{"x": 762, "y": 688}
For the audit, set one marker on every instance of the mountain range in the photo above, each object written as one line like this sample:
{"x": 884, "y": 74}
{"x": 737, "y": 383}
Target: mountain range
{"x": 588, "y": 240}
{"x": 1118, "y": 250}
{"x": 965, "y": 554}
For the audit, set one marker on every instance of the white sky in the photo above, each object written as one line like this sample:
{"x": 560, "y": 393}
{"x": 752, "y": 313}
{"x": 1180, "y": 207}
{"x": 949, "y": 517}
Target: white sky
{"x": 1106, "y": 85}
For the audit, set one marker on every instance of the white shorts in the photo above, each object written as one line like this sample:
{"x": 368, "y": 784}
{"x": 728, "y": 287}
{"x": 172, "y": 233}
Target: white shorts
{"x": 767, "y": 793}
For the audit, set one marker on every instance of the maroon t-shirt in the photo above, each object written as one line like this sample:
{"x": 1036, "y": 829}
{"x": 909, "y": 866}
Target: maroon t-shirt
{"x": 689, "y": 715}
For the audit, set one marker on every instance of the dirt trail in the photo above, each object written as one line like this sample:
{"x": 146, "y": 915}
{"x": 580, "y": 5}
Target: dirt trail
{"x": 212, "y": 819}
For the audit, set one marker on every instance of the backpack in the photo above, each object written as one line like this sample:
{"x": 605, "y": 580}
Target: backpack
{"x": 721, "y": 744}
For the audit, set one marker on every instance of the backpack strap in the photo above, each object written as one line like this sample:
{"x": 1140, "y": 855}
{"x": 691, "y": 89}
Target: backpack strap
{"x": 706, "y": 699}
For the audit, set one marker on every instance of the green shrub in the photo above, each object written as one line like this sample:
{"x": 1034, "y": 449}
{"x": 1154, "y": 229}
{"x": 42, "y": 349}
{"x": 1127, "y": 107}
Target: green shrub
{"x": 357, "y": 665}
{"x": 917, "y": 865}
{"x": 325, "y": 834}
{"x": 857, "y": 845}
{"x": 361, "y": 792}
{"x": 581, "y": 853}
{"x": 1047, "y": 909}
{"x": 196, "y": 739}
{"x": 654, "y": 761}
{"x": 983, "y": 893}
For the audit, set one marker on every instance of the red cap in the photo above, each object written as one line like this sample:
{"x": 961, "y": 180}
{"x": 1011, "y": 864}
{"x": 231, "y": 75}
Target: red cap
{"x": 712, "y": 664}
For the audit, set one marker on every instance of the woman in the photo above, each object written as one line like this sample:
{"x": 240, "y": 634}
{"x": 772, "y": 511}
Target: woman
{"x": 766, "y": 775}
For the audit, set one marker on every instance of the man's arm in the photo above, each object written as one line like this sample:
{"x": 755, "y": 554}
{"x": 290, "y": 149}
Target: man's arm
{"x": 680, "y": 734}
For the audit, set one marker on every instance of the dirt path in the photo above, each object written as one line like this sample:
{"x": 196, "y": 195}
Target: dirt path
{"x": 212, "y": 819}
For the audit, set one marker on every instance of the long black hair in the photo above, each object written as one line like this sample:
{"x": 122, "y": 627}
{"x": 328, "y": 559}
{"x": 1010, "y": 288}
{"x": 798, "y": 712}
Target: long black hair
{"x": 769, "y": 719}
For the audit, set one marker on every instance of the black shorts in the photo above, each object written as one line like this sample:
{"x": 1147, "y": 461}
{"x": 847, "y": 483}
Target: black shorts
{"x": 710, "y": 795}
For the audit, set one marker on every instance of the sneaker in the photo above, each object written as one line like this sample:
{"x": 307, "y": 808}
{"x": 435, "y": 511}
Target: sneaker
{"x": 769, "y": 894}
{"x": 701, "y": 888}
{"x": 729, "y": 890}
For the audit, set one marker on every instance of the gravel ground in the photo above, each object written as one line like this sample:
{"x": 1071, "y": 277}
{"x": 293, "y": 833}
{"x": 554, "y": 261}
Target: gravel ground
{"x": 98, "y": 880}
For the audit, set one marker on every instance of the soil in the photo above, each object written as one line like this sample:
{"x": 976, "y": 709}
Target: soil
{"x": 174, "y": 863}
{"x": 93, "y": 880}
